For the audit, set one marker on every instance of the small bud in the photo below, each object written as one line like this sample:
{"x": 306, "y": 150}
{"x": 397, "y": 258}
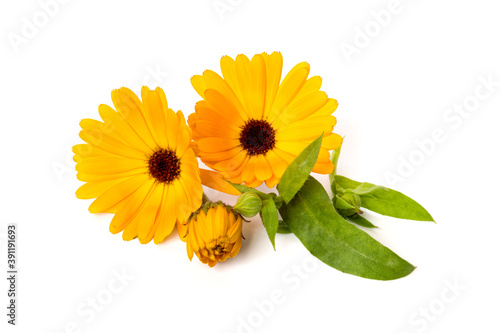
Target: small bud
{"x": 353, "y": 200}
{"x": 248, "y": 204}
{"x": 214, "y": 233}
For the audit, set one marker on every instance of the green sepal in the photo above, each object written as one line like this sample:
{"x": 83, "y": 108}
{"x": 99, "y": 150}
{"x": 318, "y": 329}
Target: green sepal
{"x": 342, "y": 204}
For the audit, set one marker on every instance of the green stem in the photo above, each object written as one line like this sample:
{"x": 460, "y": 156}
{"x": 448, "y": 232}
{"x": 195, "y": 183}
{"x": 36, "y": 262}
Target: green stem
{"x": 334, "y": 158}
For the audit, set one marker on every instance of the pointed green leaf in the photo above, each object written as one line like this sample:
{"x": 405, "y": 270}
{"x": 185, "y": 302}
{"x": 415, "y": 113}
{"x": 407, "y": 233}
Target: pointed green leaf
{"x": 298, "y": 171}
{"x": 269, "y": 215}
{"x": 283, "y": 228}
{"x": 385, "y": 201}
{"x": 364, "y": 188}
{"x": 393, "y": 203}
{"x": 313, "y": 219}
{"x": 345, "y": 182}
{"x": 360, "y": 220}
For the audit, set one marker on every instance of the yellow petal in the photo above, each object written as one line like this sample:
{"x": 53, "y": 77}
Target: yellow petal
{"x": 104, "y": 165}
{"x": 117, "y": 193}
{"x": 145, "y": 218}
{"x": 222, "y": 107}
{"x": 219, "y": 215}
{"x": 327, "y": 109}
{"x": 166, "y": 217}
{"x": 104, "y": 142}
{"x": 128, "y": 212}
{"x": 278, "y": 164}
{"x": 221, "y": 155}
{"x": 87, "y": 150}
{"x": 272, "y": 182}
{"x": 252, "y": 82}
{"x": 199, "y": 85}
{"x": 306, "y": 129}
{"x": 155, "y": 108}
{"x": 93, "y": 190}
{"x": 184, "y": 206}
{"x": 274, "y": 66}
{"x": 236, "y": 248}
{"x": 92, "y": 177}
{"x": 323, "y": 168}
{"x": 263, "y": 170}
{"x": 148, "y": 228}
{"x": 312, "y": 85}
{"x": 119, "y": 126}
{"x": 300, "y": 108}
{"x": 228, "y": 69}
{"x": 130, "y": 107}
{"x": 183, "y": 135}
{"x": 215, "y": 144}
{"x": 215, "y": 82}
{"x": 233, "y": 166}
{"x": 215, "y": 180}
{"x": 332, "y": 141}
{"x": 206, "y": 128}
{"x": 291, "y": 85}
{"x": 291, "y": 147}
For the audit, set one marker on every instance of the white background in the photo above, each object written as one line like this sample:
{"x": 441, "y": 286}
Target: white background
{"x": 394, "y": 91}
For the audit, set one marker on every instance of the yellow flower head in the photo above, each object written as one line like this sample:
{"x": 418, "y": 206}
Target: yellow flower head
{"x": 139, "y": 165}
{"x": 250, "y": 127}
{"x": 214, "y": 234}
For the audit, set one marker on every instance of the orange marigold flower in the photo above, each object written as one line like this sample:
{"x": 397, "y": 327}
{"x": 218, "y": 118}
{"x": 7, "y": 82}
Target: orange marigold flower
{"x": 250, "y": 125}
{"x": 138, "y": 164}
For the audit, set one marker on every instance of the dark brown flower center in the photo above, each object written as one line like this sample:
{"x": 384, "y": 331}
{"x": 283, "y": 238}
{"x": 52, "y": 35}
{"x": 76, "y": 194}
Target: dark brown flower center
{"x": 164, "y": 165}
{"x": 257, "y": 137}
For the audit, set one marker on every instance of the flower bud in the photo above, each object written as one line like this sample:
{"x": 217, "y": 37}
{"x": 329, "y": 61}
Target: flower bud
{"x": 355, "y": 201}
{"x": 248, "y": 204}
{"x": 214, "y": 233}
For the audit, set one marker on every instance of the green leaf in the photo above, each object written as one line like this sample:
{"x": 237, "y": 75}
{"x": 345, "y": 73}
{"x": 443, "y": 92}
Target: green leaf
{"x": 345, "y": 182}
{"x": 360, "y": 220}
{"x": 283, "y": 228}
{"x": 364, "y": 188}
{"x": 393, "y": 203}
{"x": 385, "y": 201}
{"x": 313, "y": 219}
{"x": 298, "y": 171}
{"x": 269, "y": 215}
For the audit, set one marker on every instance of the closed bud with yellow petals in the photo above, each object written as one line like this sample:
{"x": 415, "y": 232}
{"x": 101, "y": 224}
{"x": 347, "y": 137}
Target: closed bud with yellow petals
{"x": 214, "y": 233}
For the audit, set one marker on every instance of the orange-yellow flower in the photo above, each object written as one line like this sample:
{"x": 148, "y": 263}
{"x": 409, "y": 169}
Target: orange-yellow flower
{"x": 250, "y": 127}
{"x": 213, "y": 234}
{"x": 138, "y": 164}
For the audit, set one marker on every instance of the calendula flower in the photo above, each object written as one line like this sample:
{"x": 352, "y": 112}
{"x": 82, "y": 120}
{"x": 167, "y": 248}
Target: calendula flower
{"x": 250, "y": 127}
{"x": 138, "y": 164}
{"x": 214, "y": 234}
